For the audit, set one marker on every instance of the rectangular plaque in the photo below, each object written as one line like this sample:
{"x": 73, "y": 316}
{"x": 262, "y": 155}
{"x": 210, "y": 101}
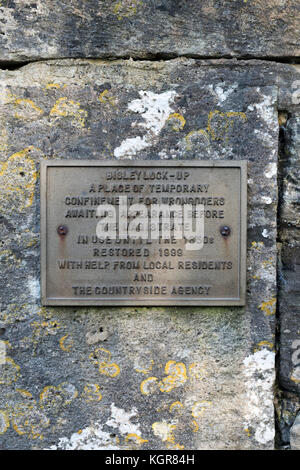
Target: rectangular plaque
{"x": 79, "y": 268}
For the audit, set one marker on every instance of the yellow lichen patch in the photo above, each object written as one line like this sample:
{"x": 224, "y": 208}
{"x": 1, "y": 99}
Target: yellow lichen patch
{"x": 219, "y": 123}
{"x": 263, "y": 344}
{"x": 126, "y": 8}
{"x": 44, "y": 313}
{"x": 199, "y": 407}
{"x": 26, "y": 109}
{"x": 24, "y": 393}
{"x": 236, "y": 114}
{"x": 106, "y": 98}
{"x": 193, "y": 137}
{"x": 100, "y": 355}
{"x": 296, "y": 381}
{"x": 9, "y": 372}
{"x": 65, "y": 343}
{"x": 102, "y": 358}
{"x": 176, "y": 407}
{"x": 49, "y": 86}
{"x": 4, "y": 422}
{"x": 145, "y": 370}
{"x": 32, "y": 242}
{"x": 111, "y": 370}
{"x": 247, "y": 430}
{"x": 177, "y": 376}
{"x": 149, "y": 385}
{"x": 91, "y": 392}
{"x": 295, "y": 377}
{"x": 50, "y": 326}
{"x": 69, "y": 109}
{"x": 177, "y": 121}
{"x": 269, "y": 307}
{"x": 54, "y": 398}
{"x": 257, "y": 245}
{"x": 28, "y": 420}
{"x": 195, "y": 426}
{"x": 268, "y": 262}
{"x": 135, "y": 439}
{"x": 177, "y": 446}
{"x": 17, "y": 181}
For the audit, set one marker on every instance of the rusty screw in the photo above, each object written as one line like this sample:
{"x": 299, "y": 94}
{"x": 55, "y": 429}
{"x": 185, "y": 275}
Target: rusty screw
{"x": 225, "y": 231}
{"x": 62, "y": 230}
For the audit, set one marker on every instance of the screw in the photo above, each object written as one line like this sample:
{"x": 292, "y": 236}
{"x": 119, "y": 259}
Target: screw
{"x": 62, "y": 230}
{"x": 225, "y": 231}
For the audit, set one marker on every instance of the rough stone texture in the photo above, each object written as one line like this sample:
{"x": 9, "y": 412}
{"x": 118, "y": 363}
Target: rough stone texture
{"x": 290, "y": 319}
{"x": 43, "y": 29}
{"x": 295, "y": 434}
{"x": 287, "y": 406}
{"x": 289, "y": 274}
{"x": 137, "y": 377}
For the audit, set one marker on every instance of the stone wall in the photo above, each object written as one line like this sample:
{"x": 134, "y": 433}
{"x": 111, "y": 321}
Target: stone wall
{"x": 217, "y": 81}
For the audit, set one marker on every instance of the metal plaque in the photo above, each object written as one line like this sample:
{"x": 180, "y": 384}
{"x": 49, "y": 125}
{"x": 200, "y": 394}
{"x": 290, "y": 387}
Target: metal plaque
{"x": 81, "y": 266}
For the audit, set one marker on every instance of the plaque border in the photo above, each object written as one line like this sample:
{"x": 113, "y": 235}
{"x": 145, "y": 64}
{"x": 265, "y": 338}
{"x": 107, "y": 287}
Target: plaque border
{"x": 71, "y": 301}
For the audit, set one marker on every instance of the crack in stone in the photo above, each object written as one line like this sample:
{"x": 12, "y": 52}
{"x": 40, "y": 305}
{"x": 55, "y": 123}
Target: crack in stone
{"x": 16, "y": 64}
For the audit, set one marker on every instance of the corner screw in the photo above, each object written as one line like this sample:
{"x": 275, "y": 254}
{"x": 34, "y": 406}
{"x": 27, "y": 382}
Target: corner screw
{"x": 225, "y": 231}
{"x": 62, "y": 230}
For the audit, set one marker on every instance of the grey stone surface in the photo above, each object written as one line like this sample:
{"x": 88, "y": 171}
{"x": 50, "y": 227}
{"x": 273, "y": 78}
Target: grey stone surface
{"x": 137, "y": 377}
{"x": 287, "y": 406}
{"x": 289, "y": 271}
{"x": 290, "y": 320}
{"x": 289, "y": 235}
{"x": 36, "y": 29}
{"x": 295, "y": 434}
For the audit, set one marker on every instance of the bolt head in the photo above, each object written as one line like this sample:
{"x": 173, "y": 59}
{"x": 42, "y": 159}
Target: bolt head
{"x": 225, "y": 231}
{"x": 62, "y": 230}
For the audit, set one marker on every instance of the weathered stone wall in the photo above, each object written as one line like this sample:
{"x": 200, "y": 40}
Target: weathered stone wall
{"x": 289, "y": 280}
{"x": 33, "y": 30}
{"x": 151, "y": 378}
